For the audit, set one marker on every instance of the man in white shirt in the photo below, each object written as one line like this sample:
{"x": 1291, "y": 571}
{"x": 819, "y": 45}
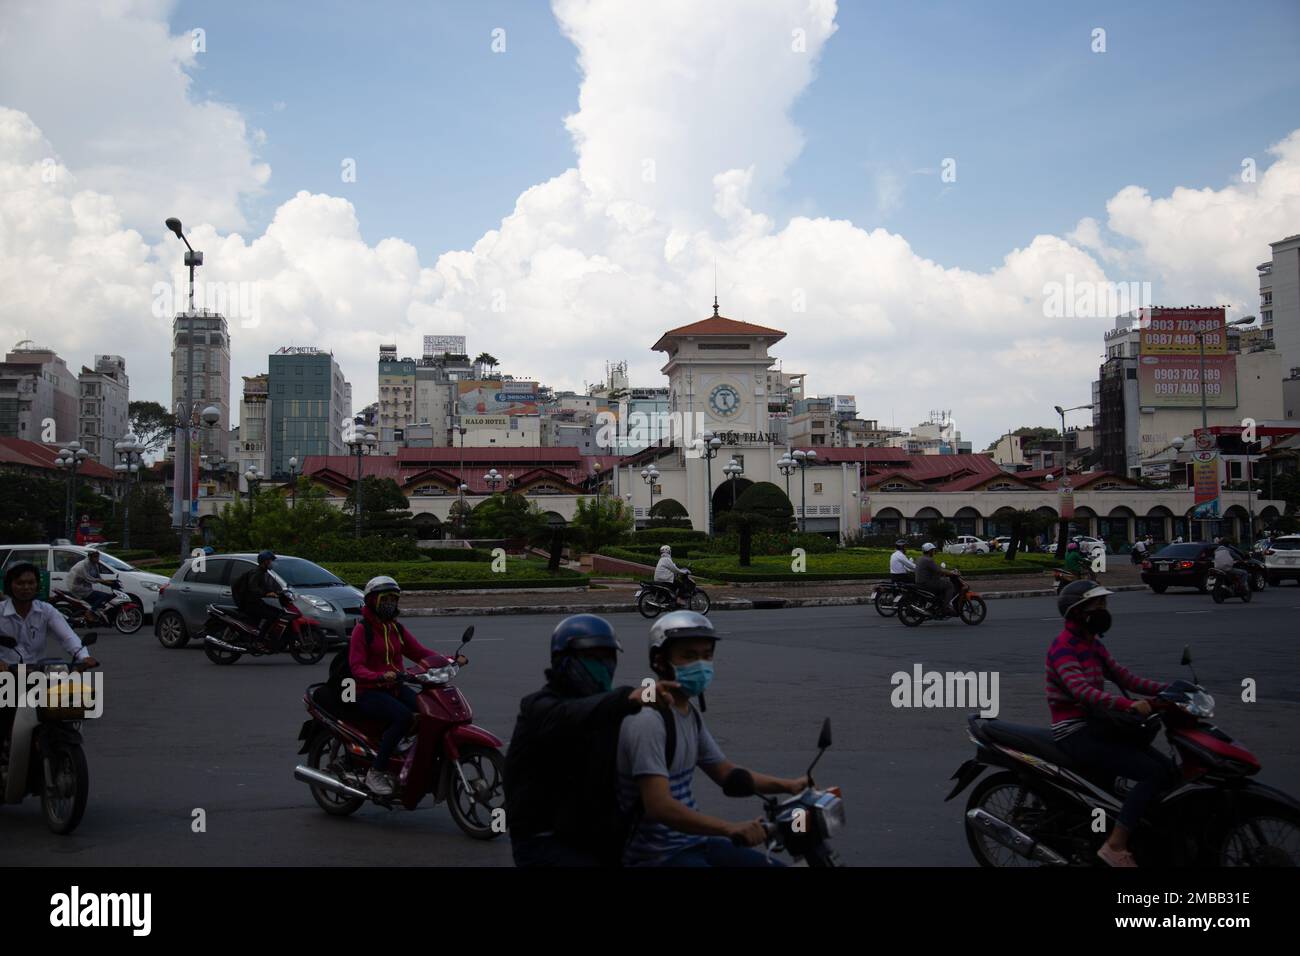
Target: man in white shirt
{"x": 1139, "y": 550}
{"x": 666, "y": 571}
{"x": 901, "y": 567}
{"x": 83, "y": 577}
{"x": 1226, "y": 562}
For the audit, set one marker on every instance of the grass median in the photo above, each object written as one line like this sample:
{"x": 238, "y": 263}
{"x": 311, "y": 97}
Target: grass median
{"x": 426, "y": 575}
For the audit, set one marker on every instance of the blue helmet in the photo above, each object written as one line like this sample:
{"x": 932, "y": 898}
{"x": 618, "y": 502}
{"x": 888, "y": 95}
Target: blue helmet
{"x": 267, "y": 555}
{"x": 583, "y": 631}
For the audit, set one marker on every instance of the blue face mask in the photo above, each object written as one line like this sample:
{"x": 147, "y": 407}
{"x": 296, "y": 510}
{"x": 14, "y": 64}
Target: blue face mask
{"x": 601, "y": 673}
{"x": 695, "y": 677}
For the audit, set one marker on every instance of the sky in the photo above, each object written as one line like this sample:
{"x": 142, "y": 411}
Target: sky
{"x": 896, "y": 186}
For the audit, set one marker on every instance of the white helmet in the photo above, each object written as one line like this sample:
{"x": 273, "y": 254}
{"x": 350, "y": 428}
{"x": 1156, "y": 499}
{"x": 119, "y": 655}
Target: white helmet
{"x": 380, "y": 585}
{"x": 928, "y": 547}
{"x": 665, "y": 549}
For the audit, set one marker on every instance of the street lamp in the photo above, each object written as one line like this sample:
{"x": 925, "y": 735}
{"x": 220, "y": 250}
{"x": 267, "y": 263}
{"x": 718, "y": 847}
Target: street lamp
{"x": 71, "y": 459}
{"x": 1064, "y": 533}
{"x": 510, "y": 482}
{"x": 360, "y": 444}
{"x": 709, "y": 447}
{"x": 787, "y": 466}
{"x": 595, "y": 471}
{"x": 492, "y": 479}
{"x": 130, "y": 451}
{"x": 1205, "y": 418}
{"x": 460, "y": 513}
{"x": 802, "y": 460}
{"x": 185, "y": 412}
{"x": 293, "y": 481}
{"x": 733, "y": 470}
{"x": 252, "y": 477}
{"x": 651, "y": 477}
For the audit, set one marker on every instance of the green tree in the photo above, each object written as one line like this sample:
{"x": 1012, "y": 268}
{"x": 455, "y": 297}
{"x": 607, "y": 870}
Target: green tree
{"x": 1025, "y": 524}
{"x": 384, "y": 509}
{"x": 598, "y": 522}
{"x": 152, "y": 424}
{"x": 271, "y": 523}
{"x": 151, "y": 520}
{"x": 509, "y": 516}
{"x": 669, "y": 513}
{"x": 769, "y": 505}
{"x": 941, "y": 532}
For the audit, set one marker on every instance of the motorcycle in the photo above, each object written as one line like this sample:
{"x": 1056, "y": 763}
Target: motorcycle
{"x": 239, "y": 635}
{"x": 916, "y": 605}
{"x": 1063, "y": 577}
{"x": 886, "y": 597}
{"x": 122, "y": 611}
{"x": 655, "y": 597}
{"x": 1223, "y": 586}
{"x": 448, "y": 755}
{"x": 43, "y": 755}
{"x": 1040, "y": 809}
{"x": 803, "y": 824}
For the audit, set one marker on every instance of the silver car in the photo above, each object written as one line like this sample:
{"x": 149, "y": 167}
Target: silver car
{"x": 182, "y": 608}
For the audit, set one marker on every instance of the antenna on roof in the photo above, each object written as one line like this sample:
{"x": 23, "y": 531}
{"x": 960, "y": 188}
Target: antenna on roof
{"x": 715, "y": 287}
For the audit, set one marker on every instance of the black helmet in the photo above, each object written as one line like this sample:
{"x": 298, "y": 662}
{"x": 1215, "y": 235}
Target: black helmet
{"x": 1076, "y": 593}
{"x": 580, "y": 632}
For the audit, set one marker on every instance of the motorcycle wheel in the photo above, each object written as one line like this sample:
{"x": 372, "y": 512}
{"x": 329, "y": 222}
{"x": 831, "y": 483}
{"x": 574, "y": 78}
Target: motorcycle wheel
{"x": 1218, "y": 595}
{"x": 974, "y": 610}
{"x": 172, "y": 632}
{"x": 700, "y": 601}
{"x": 310, "y": 647}
{"x": 886, "y": 603}
{"x": 1270, "y": 838}
{"x": 650, "y": 603}
{"x": 1258, "y": 581}
{"x": 326, "y": 754}
{"x": 475, "y": 811}
{"x": 997, "y": 796}
{"x": 219, "y": 655}
{"x": 129, "y": 618}
{"x": 64, "y": 801}
{"x": 909, "y": 614}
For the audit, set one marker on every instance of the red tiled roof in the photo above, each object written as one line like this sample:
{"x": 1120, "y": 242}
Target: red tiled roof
{"x": 1089, "y": 478}
{"x": 974, "y": 481}
{"x": 717, "y": 325}
{"x": 565, "y": 463}
{"x": 31, "y": 454}
{"x": 835, "y": 456}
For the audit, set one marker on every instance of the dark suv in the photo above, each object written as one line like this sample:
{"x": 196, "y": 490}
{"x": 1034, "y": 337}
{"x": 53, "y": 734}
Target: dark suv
{"x": 1186, "y": 566}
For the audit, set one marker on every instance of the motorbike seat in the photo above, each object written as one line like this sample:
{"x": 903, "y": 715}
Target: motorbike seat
{"x": 1036, "y": 741}
{"x": 328, "y": 700}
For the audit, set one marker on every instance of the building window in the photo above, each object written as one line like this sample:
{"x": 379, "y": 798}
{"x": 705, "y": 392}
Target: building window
{"x": 817, "y": 487}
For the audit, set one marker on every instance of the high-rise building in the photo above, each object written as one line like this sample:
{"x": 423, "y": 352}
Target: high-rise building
{"x": 1279, "y": 300}
{"x": 211, "y": 338}
{"x": 306, "y": 394}
{"x": 38, "y": 395}
{"x": 105, "y": 415}
{"x": 253, "y": 409}
{"x": 396, "y": 398}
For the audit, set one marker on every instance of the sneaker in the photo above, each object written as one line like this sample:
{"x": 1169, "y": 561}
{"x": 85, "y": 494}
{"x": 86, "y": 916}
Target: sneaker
{"x": 405, "y": 743}
{"x": 1121, "y": 858}
{"x": 379, "y": 783}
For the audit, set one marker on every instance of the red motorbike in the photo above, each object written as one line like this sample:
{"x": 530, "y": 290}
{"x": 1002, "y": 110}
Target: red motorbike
{"x": 447, "y": 755}
{"x": 229, "y": 634}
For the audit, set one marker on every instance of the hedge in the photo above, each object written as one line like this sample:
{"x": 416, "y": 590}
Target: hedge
{"x": 455, "y": 554}
{"x": 673, "y": 536}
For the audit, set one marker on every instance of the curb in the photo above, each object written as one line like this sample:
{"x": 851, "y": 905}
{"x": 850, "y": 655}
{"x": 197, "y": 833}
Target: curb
{"x": 754, "y": 604}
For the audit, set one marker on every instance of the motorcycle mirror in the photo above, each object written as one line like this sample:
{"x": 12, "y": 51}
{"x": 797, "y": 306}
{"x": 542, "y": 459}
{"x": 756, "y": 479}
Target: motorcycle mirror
{"x": 468, "y": 635}
{"x": 824, "y": 739}
{"x": 739, "y": 783}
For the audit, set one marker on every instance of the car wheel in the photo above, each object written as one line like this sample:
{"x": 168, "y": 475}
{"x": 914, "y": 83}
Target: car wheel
{"x": 1258, "y": 581}
{"x": 1159, "y": 588}
{"x": 172, "y": 632}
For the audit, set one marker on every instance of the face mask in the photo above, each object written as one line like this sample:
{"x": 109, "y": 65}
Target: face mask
{"x": 695, "y": 677}
{"x": 1098, "y": 622}
{"x": 387, "y": 610}
{"x": 601, "y": 673}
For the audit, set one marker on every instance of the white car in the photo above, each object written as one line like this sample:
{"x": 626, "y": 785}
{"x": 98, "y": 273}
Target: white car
{"x": 1282, "y": 559}
{"x": 967, "y": 544}
{"x": 1088, "y": 545}
{"x": 59, "y": 559}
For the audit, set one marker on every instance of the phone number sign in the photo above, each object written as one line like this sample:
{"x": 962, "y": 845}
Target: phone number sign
{"x": 1174, "y": 381}
{"x": 1165, "y": 333}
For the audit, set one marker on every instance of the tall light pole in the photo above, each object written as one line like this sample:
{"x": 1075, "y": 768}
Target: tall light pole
{"x": 1205, "y": 417}
{"x": 461, "y": 517}
{"x": 709, "y": 448}
{"x": 787, "y": 466}
{"x": 252, "y": 477}
{"x": 71, "y": 459}
{"x": 651, "y": 477}
{"x": 1063, "y": 532}
{"x": 1177, "y": 444}
{"x": 360, "y": 445}
{"x": 492, "y": 479}
{"x": 193, "y": 259}
{"x": 129, "y": 452}
{"x": 293, "y": 482}
{"x": 595, "y": 472}
{"x": 804, "y": 459}
{"x": 733, "y": 470}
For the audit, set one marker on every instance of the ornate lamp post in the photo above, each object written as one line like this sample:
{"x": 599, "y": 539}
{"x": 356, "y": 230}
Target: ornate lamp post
{"x": 804, "y": 459}
{"x": 293, "y": 482}
{"x": 733, "y": 470}
{"x": 651, "y": 477}
{"x": 787, "y": 467}
{"x": 253, "y": 476}
{"x": 71, "y": 459}
{"x": 360, "y": 444}
{"x": 709, "y": 448}
{"x": 492, "y": 479}
{"x": 129, "y": 452}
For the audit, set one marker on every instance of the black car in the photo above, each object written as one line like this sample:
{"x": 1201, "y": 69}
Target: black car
{"x": 1186, "y": 566}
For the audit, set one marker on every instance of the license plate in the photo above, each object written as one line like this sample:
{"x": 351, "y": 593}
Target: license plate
{"x": 1161, "y": 566}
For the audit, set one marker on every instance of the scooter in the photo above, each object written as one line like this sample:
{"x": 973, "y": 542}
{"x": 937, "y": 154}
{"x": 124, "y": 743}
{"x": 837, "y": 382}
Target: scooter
{"x": 448, "y": 755}
{"x": 1223, "y": 586}
{"x": 917, "y": 605}
{"x": 239, "y": 635}
{"x": 804, "y": 824}
{"x": 654, "y": 597}
{"x": 42, "y": 755}
{"x": 122, "y": 611}
{"x": 1041, "y": 809}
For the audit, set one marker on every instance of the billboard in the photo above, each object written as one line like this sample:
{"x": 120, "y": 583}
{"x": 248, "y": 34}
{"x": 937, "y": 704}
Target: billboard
{"x": 1173, "y": 331}
{"x": 496, "y": 398}
{"x": 437, "y": 344}
{"x": 1205, "y": 480}
{"x": 1174, "y": 381}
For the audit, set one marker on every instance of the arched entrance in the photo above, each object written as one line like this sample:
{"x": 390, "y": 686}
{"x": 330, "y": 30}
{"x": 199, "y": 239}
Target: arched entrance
{"x": 722, "y": 495}
{"x": 888, "y": 520}
{"x": 966, "y": 521}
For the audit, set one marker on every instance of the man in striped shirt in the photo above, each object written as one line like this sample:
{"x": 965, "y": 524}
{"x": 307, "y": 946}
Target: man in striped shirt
{"x": 671, "y": 831}
{"x": 1078, "y": 666}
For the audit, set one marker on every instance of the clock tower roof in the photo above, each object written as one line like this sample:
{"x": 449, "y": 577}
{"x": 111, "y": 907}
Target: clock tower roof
{"x": 717, "y": 325}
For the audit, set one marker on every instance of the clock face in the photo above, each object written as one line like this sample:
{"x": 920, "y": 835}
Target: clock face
{"x": 724, "y": 401}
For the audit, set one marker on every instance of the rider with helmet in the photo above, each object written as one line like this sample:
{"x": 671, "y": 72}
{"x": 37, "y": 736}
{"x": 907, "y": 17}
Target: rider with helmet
{"x": 901, "y": 568}
{"x": 375, "y": 653}
{"x": 1075, "y": 562}
{"x": 252, "y": 586}
{"x": 1078, "y": 665}
{"x": 559, "y": 774}
{"x": 931, "y": 577}
{"x": 667, "y": 573}
{"x": 671, "y": 831}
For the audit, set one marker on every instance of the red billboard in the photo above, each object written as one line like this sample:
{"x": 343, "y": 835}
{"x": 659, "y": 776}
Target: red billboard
{"x": 1174, "y": 331}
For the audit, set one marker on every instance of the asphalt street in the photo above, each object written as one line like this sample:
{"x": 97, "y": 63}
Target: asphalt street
{"x": 179, "y": 733}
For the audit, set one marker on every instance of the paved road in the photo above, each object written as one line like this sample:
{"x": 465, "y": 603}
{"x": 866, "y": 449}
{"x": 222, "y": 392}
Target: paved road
{"x": 180, "y": 733}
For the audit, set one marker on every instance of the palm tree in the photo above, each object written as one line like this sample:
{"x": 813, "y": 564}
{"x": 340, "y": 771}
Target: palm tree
{"x": 486, "y": 359}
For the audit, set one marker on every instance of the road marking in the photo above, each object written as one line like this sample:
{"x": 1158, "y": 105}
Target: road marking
{"x": 1192, "y": 612}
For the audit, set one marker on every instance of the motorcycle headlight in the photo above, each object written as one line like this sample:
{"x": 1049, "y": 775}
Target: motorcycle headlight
{"x": 829, "y": 813}
{"x": 319, "y": 604}
{"x": 1201, "y": 704}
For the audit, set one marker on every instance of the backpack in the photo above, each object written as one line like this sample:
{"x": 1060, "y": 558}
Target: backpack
{"x": 341, "y": 668}
{"x": 629, "y": 820}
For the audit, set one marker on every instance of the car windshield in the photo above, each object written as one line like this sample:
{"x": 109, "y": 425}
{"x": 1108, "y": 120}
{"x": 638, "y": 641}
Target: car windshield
{"x": 1286, "y": 544}
{"x": 114, "y": 563}
{"x": 1180, "y": 551}
{"x": 299, "y": 573}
